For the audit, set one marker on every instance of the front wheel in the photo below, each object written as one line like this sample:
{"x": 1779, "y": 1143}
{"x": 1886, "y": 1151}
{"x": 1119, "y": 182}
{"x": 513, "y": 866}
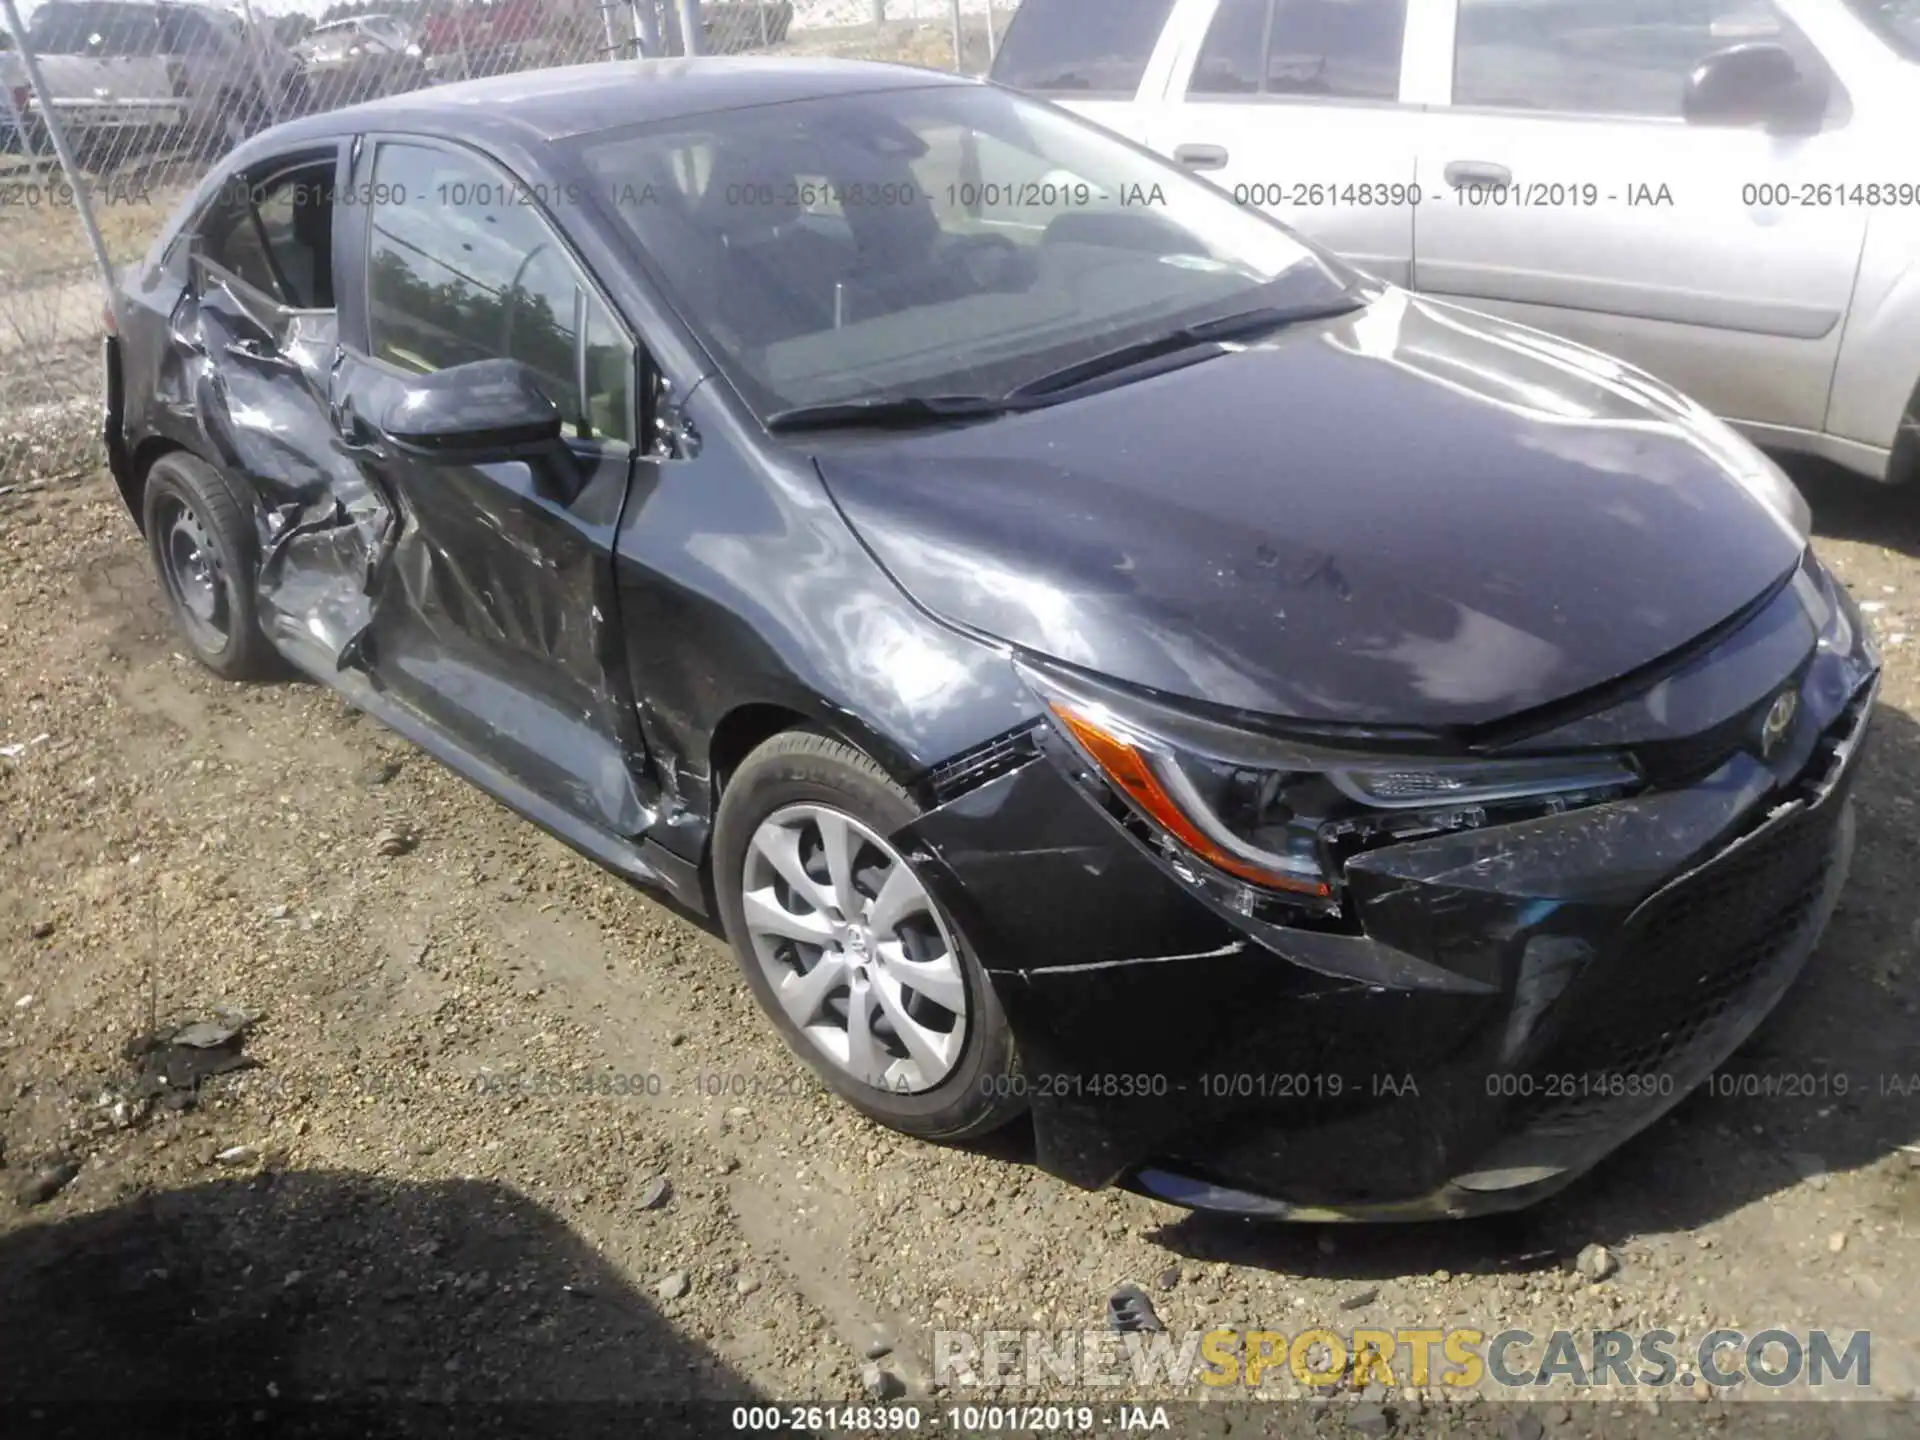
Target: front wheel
{"x": 864, "y": 974}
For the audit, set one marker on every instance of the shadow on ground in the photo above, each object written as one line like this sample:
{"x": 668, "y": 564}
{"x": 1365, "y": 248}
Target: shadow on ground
{"x": 1847, "y": 506}
{"x": 317, "y": 1302}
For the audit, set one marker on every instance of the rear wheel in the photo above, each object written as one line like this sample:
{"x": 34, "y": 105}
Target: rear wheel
{"x": 202, "y": 545}
{"x": 859, "y": 967}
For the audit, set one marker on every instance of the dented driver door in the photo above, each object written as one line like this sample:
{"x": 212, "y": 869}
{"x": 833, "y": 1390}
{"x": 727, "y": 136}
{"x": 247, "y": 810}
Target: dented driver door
{"x": 494, "y": 613}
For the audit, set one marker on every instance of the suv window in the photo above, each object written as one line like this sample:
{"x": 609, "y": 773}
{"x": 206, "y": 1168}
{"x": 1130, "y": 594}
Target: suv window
{"x": 1331, "y": 49}
{"x": 1059, "y": 45}
{"x": 460, "y": 268}
{"x": 1605, "y": 57}
{"x": 276, "y": 234}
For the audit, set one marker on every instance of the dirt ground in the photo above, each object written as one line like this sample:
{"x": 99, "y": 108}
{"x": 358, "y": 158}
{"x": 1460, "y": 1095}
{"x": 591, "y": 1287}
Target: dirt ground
{"x": 475, "y": 1053}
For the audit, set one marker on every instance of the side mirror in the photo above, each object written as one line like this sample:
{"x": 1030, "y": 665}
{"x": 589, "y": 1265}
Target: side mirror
{"x": 477, "y": 414}
{"x": 1754, "y": 84}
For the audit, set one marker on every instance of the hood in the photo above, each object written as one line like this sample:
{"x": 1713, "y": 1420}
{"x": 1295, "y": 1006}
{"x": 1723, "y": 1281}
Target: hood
{"x": 1411, "y": 515}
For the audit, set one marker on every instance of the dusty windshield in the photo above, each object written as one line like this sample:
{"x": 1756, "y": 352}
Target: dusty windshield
{"x": 938, "y": 241}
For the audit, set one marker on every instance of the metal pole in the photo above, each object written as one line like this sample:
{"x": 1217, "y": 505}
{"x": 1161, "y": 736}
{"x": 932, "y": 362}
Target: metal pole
{"x": 959, "y": 38}
{"x": 879, "y": 13}
{"x": 993, "y": 41}
{"x": 606, "y": 24}
{"x": 459, "y": 17}
{"x": 259, "y": 63}
{"x": 646, "y": 19}
{"x": 691, "y": 36}
{"x": 82, "y": 201}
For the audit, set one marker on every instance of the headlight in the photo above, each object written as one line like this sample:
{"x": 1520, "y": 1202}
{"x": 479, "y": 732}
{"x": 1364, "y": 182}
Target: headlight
{"x": 1282, "y": 815}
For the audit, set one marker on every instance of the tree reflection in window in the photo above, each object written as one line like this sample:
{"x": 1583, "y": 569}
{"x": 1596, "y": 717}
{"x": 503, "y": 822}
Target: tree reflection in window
{"x": 461, "y": 269}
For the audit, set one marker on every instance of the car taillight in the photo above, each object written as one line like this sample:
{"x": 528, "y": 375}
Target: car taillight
{"x": 107, "y": 319}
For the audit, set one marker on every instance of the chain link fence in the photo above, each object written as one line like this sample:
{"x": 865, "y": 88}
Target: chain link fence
{"x": 112, "y": 110}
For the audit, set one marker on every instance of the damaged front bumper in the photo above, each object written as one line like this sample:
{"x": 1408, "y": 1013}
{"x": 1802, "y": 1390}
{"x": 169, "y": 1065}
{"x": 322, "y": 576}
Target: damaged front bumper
{"x": 1503, "y": 1007}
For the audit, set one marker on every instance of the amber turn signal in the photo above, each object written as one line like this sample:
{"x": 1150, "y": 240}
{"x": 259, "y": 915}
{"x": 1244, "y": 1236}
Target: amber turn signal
{"x": 1130, "y": 770}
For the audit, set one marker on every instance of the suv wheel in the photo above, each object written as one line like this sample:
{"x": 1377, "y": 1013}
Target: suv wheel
{"x": 864, "y": 974}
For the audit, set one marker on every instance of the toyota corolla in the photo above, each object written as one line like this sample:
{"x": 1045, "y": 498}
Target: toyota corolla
{"x": 1322, "y": 752}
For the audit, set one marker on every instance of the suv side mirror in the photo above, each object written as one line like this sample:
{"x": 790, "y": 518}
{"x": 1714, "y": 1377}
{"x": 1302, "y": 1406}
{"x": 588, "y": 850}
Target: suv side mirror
{"x": 1752, "y": 84}
{"x": 475, "y": 414}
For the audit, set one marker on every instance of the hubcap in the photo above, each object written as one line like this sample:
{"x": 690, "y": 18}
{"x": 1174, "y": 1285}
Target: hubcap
{"x": 854, "y": 948}
{"x": 191, "y": 570}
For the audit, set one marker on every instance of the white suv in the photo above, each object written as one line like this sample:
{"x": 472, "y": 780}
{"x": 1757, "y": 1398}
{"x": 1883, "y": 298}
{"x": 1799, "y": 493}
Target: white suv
{"x": 1724, "y": 192}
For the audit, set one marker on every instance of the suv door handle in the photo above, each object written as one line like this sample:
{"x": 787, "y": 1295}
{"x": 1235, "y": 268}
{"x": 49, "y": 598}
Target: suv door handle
{"x": 1478, "y": 175}
{"x": 1201, "y": 157}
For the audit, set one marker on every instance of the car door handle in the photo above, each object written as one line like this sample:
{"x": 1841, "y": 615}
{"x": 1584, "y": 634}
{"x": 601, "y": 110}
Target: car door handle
{"x": 1201, "y": 157}
{"x": 1478, "y": 175}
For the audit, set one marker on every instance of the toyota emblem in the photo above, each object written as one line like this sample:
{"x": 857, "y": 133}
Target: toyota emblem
{"x": 1779, "y": 720}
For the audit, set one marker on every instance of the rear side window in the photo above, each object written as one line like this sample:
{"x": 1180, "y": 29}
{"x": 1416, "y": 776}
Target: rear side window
{"x": 1065, "y": 46}
{"x": 1331, "y": 49}
{"x": 276, "y": 234}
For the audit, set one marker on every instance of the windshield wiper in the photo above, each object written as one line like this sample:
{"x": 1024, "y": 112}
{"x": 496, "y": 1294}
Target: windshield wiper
{"x": 1237, "y": 326}
{"x": 908, "y": 410}
{"x": 890, "y": 410}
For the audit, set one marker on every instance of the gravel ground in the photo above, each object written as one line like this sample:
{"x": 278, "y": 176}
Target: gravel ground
{"x": 474, "y": 1054}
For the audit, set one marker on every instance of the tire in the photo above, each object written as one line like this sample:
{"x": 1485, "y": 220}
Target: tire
{"x": 795, "y": 783}
{"x": 201, "y": 542}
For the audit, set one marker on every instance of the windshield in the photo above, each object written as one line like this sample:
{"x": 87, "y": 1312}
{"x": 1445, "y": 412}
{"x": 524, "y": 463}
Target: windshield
{"x": 116, "y": 30}
{"x": 939, "y": 241}
{"x": 1897, "y": 20}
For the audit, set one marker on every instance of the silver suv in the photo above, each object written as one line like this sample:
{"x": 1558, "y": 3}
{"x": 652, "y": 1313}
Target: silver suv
{"x": 1720, "y": 191}
{"x": 125, "y": 75}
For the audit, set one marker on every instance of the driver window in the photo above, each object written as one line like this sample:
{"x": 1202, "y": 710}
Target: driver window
{"x": 1629, "y": 60}
{"x": 461, "y": 268}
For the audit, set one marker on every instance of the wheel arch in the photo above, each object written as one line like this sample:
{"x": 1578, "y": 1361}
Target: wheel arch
{"x": 131, "y": 474}
{"x": 750, "y": 724}
{"x": 1875, "y": 396}
{"x": 1903, "y": 464}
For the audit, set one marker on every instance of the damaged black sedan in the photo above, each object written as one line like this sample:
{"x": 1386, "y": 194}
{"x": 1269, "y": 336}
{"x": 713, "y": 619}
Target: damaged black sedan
{"x": 1323, "y": 753}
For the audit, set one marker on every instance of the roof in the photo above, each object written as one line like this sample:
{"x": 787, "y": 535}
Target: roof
{"x": 583, "y": 99}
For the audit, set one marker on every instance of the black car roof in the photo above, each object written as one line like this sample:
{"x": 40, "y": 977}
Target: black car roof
{"x": 583, "y": 99}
